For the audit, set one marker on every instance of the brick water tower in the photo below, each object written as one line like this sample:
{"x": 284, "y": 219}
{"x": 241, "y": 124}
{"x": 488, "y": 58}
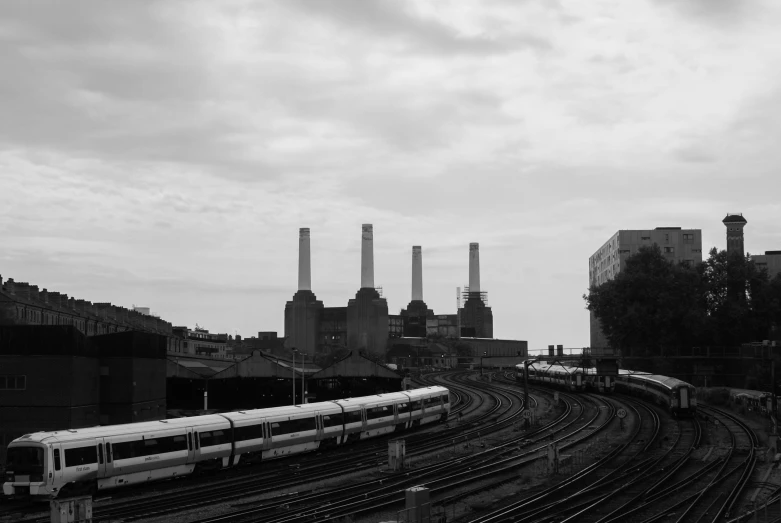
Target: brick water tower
{"x": 734, "y": 224}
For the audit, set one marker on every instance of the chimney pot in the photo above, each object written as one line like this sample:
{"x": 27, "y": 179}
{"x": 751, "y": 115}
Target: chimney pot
{"x": 10, "y": 286}
{"x": 45, "y": 296}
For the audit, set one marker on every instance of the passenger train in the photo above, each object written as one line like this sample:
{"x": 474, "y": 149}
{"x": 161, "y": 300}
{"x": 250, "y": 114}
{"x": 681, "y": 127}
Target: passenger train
{"x": 70, "y": 462}
{"x": 568, "y": 378}
{"x": 675, "y": 395}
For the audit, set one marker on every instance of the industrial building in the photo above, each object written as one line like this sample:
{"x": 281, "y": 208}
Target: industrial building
{"x": 676, "y": 244}
{"x": 365, "y": 325}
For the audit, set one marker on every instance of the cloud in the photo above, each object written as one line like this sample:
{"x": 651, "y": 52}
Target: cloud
{"x": 397, "y": 23}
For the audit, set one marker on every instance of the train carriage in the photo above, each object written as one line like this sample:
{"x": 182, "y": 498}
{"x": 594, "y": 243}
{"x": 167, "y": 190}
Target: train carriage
{"x": 568, "y": 378}
{"x": 604, "y": 384}
{"x": 46, "y": 464}
{"x": 676, "y": 395}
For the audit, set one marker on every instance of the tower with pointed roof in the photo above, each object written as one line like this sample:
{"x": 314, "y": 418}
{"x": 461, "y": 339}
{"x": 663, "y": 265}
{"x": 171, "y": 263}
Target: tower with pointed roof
{"x": 734, "y": 224}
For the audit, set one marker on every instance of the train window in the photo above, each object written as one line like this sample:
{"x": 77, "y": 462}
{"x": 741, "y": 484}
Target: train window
{"x": 291, "y": 426}
{"x": 149, "y": 447}
{"x": 100, "y": 453}
{"x": 81, "y": 456}
{"x": 56, "y": 459}
{"x": 189, "y": 441}
{"x": 249, "y": 432}
{"x": 215, "y": 437}
{"x": 108, "y": 452}
{"x": 446, "y": 398}
{"x": 416, "y": 405}
{"x": 403, "y": 407}
{"x": 353, "y": 417}
{"x": 197, "y": 440}
{"x": 332, "y": 420}
{"x": 378, "y": 412}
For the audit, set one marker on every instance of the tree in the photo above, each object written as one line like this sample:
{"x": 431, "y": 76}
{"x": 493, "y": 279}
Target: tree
{"x": 742, "y": 304}
{"x": 651, "y": 304}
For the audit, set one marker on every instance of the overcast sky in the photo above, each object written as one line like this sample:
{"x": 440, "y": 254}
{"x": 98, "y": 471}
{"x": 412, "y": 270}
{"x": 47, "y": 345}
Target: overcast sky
{"x": 165, "y": 154}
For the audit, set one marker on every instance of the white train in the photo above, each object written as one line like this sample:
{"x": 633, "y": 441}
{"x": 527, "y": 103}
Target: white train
{"x": 677, "y": 396}
{"x": 568, "y": 378}
{"x": 71, "y": 462}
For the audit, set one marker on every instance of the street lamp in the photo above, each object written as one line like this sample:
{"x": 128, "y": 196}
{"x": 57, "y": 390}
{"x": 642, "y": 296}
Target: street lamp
{"x": 303, "y": 363}
{"x": 481, "y": 362}
{"x": 293, "y": 369}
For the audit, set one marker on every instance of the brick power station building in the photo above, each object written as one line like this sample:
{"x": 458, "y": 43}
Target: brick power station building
{"x": 365, "y": 325}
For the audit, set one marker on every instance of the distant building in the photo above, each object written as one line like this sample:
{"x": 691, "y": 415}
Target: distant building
{"x": 266, "y": 341}
{"x": 771, "y": 261}
{"x": 199, "y": 342}
{"x": 676, "y": 244}
{"x": 24, "y": 304}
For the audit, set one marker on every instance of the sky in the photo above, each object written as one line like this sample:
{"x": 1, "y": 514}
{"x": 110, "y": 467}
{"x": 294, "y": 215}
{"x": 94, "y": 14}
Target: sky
{"x": 164, "y": 154}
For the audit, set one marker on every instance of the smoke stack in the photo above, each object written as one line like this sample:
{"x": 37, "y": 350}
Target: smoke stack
{"x": 304, "y": 261}
{"x": 367, "y": 256}
{"x": 417, "y": 274}
{"x": 474, "y": 268}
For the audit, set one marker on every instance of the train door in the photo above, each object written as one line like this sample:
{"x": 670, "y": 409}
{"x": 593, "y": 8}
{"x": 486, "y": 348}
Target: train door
{"x": 190, "y": 444}
{"x": 57, "y": 469}
{"x": 683, "y": 396}
{"x": 193, "y": 445}
{"x": 105, "y": 459}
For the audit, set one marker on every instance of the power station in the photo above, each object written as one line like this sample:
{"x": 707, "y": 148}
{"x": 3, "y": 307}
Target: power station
{"x": 364, "y": 325}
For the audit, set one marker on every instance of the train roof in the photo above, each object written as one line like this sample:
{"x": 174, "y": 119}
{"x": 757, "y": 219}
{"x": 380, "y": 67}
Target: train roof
{"x": 60, "y": 436}
{"x": 146, "y": 427}
{"x": 665, "y": 381}
{"x": 551, "y": 368}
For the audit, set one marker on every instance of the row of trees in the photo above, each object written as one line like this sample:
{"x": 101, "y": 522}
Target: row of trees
{"x": 654, "y": 303}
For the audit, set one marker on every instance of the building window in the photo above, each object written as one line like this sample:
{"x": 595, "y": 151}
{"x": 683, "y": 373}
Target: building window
{"x": 13, "y": 382}
{"x": 667, "y": 237}
{"x": 688, "y": 238}
{"x": 669, "y": 250}
{"x": 696, "y": 250}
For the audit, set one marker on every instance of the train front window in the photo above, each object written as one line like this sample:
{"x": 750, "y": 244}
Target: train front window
{"x": 25, "y": 460}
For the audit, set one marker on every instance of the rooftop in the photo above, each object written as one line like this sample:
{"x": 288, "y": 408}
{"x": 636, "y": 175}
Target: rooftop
{"x": 734, "y": 218}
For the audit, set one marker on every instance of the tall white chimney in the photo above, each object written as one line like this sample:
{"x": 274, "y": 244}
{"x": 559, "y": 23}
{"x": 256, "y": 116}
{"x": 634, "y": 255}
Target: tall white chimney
{"x": 304, "y": 261}
{"x": 474, "y": 268}
{"x": 367, "y": 256}
{"x": 417, "y": 274}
